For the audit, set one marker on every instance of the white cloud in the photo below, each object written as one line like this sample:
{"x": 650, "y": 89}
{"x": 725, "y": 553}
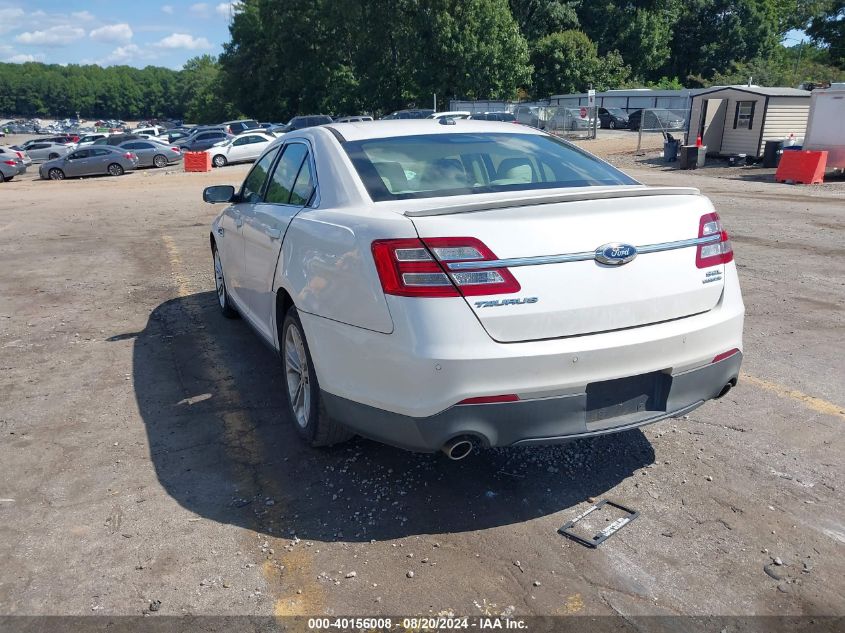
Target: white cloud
{"x": 168, "y": 9}
{"x": 200, "y": 9}
{"x": 126, "y": 54}
{"x": 225, "y": 9}
{"x": 24, "y": 57}
{"x": 54, "y": 36}
{"x": 118, "y": 33}
{"x": 10, "y": 18}
{"x": 183, "y": 40}
{"x": 82, "y": 16}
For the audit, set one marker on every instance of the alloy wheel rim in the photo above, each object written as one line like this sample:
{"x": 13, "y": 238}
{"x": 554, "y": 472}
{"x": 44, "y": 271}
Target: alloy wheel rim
{"x": 297, "y": 376}
{"x": 114, "y": 171}
{"x": 219, "y": 282}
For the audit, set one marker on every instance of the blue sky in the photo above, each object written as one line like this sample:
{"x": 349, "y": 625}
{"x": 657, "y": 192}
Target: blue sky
{"x": 109, "y": 32}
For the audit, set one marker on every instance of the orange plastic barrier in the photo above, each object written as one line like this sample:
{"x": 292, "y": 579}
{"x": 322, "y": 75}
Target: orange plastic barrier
{"x": 803, "y": 167}
{"x": 197, "y": 161}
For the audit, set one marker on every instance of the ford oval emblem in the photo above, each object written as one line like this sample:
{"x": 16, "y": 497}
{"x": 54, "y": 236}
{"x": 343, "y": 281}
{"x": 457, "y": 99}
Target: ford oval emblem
{"x": 615, "y": 254}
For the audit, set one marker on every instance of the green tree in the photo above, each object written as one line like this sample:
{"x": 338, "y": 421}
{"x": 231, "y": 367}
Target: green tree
{"x": 569, "y": 62}
{"x": 827, "y": 28}
{"x": 538, "y": 18}
{"x": 201, "y": 92}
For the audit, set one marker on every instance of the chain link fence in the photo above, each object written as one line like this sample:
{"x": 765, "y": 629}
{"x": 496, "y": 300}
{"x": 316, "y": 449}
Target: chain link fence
{"x": 654, "y": 124}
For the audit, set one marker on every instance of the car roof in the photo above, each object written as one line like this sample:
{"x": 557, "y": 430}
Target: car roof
{"x": 357, "y": 131}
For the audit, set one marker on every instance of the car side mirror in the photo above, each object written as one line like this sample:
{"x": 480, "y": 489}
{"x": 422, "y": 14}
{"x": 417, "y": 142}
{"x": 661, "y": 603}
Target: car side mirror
{"x": 218, "y": 194}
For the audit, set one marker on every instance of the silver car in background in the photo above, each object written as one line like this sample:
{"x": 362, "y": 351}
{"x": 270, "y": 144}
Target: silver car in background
{"x": 151, "y": 154}
{"x": 10, "y": 167}
{"x": 44, "y": 150}
{"x": 90, "y": 161}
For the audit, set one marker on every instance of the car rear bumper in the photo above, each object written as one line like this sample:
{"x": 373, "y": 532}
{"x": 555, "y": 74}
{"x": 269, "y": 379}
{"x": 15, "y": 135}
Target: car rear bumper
{"x": 540, "y": 421}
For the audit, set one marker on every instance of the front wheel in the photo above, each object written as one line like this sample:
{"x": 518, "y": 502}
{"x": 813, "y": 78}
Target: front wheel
{"x": 115, "y": 169}
{"x": 220, "y": 284}
{"x": 219, "y": 160}
{"x": 56, "y": 174}
{"x": 612, "y": 125}
{"x": 302, "y": 391}
{"x": 160, "y": 161}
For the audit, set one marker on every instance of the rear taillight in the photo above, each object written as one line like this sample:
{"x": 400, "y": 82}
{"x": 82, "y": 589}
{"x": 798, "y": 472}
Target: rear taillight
{"x": 717, "y": 252}
{"x": 20, "y": 155}
{"x": 175, "y": 149}
{"x": 129, "y": 155}
{"x": 9, "y": 162}
{"x": 724, "y": 355}
{"x": 417, "y": 268}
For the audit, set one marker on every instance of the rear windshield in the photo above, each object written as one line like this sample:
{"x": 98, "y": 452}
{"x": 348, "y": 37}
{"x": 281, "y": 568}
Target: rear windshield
{"x": 432, "y": 165}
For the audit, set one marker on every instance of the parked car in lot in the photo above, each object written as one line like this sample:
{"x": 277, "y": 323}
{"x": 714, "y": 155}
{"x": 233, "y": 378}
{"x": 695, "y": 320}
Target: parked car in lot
{"x": 409, "y": 114}
{"x": 114, "y": 140}
{"x": 8, "y": 153}
{"x": 88, "y": 139}
{"x": 245, "y": 147}
{"x": 457, "y": 114}
{"x": 613, "y": 118}
{"x": 176, "y": 134}
{"x": 202, "y": 141}
{"x": 39, "y": 150}
{"x": 242, "y": 125}
{"x": 9, "y": 168}
{"x": 90, "y": 161}
{"x": 353, "y": 119}
{"x": 656, "y": 119}
{"x": 152, "y": 154}
{"x": 495, "y": 116}
{"x": 302, "y": 122}
{"x": 442, "y": 287}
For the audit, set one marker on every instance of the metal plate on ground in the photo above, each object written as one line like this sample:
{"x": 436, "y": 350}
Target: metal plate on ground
{"x": 602, "y": 535}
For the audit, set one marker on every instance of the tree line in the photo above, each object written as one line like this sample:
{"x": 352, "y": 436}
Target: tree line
{"x": 346, "y": 56}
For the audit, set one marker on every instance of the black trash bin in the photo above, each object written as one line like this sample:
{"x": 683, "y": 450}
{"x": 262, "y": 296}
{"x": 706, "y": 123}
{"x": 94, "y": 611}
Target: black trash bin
{"x": 771, "y": 153}
{"x": 692, "y": 156}
{"x": 670, "y": 150}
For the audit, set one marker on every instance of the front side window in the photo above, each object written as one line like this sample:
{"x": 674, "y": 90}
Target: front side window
{"x": 255, "y": 181}
{"x": 77, "y": 155}
{"x": 432, "y": 165}
{"x": 284, "y": 177}
{"x": 241, "y": 141}
{"x": 744, "y": 116}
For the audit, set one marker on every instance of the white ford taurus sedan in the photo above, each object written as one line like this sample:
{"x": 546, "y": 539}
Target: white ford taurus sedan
{"x": 445, "y": 285}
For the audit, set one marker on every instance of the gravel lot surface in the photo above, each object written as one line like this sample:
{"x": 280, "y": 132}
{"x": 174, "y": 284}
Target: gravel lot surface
{"x": 145, "y": 455}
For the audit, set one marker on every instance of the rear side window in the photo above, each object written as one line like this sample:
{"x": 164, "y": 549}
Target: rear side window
{"x": 284, "y": 177}
{"x": 433, "y": 165}
{"x": 255, "y": 181}
{"x": 304, "y": 185}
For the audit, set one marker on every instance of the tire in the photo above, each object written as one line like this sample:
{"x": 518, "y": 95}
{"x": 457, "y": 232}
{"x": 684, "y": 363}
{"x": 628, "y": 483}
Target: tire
{"x": 52, "y": 156}
{"x": 612, "y": 124}
{"x": 56, "y": 174}
{"x": 160, "y": 161}
{"x": 219, "y": 160}
{"x": 115, "y": 170}
{"x": 223, "y": 300}
{"x": 302, "y": 391}
{"x": 2, "y": 177}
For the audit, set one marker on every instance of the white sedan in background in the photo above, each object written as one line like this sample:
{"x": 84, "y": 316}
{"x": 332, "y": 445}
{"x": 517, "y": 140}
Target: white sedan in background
{"x": 243, "y": 148}
{"x": 440, "y": 285}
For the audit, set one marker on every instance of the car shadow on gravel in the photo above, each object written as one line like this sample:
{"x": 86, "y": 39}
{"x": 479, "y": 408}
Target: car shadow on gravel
{"x": 209, "y": 394}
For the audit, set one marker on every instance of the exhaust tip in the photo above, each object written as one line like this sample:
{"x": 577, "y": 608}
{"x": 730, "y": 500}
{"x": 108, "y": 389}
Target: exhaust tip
{"x": 458, "y": 448}
{"x": 726, "y": 389}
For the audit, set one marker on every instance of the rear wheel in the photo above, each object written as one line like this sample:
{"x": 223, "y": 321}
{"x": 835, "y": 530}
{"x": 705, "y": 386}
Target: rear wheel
{"x": 115, "y": 169}
{"x": 220, "y": 284}
{"x": 2, "y": 178}
{"x": 302, "y": 391}
{"x": 219, "y": 160}
{"x": 160, "y": 161}
{"x": 56, "y": 174}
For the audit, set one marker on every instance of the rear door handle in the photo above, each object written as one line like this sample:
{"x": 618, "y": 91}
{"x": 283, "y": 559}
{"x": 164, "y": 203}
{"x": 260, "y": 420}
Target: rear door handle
{"x": 239, "y": 220}
{"x": 274, "y": 234}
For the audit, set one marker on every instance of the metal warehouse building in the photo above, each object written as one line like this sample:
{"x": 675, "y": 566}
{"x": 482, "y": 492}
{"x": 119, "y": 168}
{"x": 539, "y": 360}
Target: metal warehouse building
{"x": 740, "y": 119}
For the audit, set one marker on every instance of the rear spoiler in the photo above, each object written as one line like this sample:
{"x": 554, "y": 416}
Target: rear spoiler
{"x": 571, "y": 196}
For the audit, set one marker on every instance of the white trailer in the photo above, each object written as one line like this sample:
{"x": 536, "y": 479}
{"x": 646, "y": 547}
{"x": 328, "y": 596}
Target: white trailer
{"x": 826, "y": 125}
